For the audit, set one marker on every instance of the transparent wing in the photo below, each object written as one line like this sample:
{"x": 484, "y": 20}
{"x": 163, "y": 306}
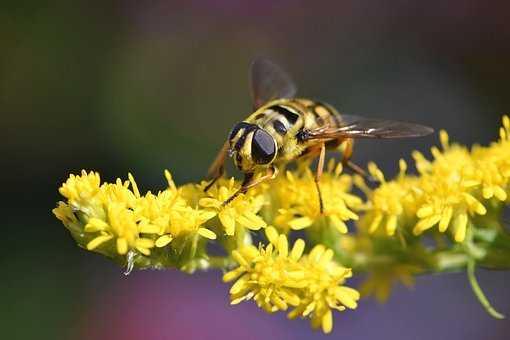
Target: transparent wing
{"x": 360, "y": 127}
{"x": 269, "y": 82}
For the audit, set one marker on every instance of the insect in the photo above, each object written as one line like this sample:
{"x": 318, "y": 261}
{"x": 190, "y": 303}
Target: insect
{"x": 284, "y": 128}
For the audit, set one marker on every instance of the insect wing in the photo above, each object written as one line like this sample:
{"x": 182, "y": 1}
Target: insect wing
{"x": 269, "y": 82}
{"x": 360, "y": 127}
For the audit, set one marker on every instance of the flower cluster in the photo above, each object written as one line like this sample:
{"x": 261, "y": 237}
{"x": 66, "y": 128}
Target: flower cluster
{"x": 455, "y": 188}
{"x": 115, "y": 219}
{"x": 294, "y": 203}
{"x": 392, "y": 203}
{"x": 456, "y": 198}
{"x": 98, "y": 214}
{"x": 240, "y": 213}
{"x": 277, "y": 278}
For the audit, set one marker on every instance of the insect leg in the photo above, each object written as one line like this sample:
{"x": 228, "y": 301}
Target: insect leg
{"x": 217, "y": 168}
{"x": 318, "y": 174}
{"x": 346, "y": 159}
{"x": 250, "y": 182}
{"x": 211, "y": 183}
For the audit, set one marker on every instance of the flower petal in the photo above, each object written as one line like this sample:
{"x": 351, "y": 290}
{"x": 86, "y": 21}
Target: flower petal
{"x": 228, "y": 221}
{"x": 297, "y": 249}
{"x": 300, "y": 223}
{"x": 122, "y": 246}
{"x": 163, "y": 240}
{"x": 98, "y": 241}
{"x": 207, "y": 233}
{"x": 460, "y": 226}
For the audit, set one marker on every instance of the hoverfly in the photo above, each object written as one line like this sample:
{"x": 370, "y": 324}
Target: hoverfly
{"x": 284, "y": 128}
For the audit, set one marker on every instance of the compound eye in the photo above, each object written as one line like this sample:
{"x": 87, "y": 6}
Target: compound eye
{"x": 263, "y": 147}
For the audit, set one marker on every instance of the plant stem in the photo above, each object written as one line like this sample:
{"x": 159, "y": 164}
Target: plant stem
{"x": 479, "y": 293}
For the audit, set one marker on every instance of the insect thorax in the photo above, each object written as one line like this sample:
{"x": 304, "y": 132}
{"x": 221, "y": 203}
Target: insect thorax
{"x": 286, "y": 119}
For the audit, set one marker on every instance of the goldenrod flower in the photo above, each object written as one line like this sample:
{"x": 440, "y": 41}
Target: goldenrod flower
{"x": 492, "y": 166}
{"x": 460, "y": 190}
{"x": 277, "y": 277}
{"x": 169, "y": 215}
{"x": 189, "y": 220}
{"x": 324, "y": 290}
{"x": 81, "y": 191}
{"x": 453, "y": 160}
{"x": 81, "y": 188}
{"x": 297, "y": 200}
{"x": 114, "y": 212}
{"x": 392, "y": 203}
{"x": 449, "y": 192}
{"x": 120, "y": 224}
{"x": 241, "y": 212}
{"x": 108, "y": 212}
{"x": 269, "y": 275}
{"x": 447, "y": 189}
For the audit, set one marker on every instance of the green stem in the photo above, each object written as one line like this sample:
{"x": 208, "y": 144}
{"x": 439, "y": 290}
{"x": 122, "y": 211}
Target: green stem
{"x": 479, "y": 293}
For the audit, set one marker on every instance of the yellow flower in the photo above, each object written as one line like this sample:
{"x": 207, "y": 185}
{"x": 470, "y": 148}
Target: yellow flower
{"x": 268, "y": 275}
{"x": 298, "y": 202}
{"x": 81, "y": 191}
{"x": 169, "y": 215}
{"x": 392, "y": 203}
{"x": 324, "y": 289}
{"x": 492, "y": 166}
{"x": 447, "y": 204}
{"x": 457, "y": 190}
{"x": 187, "y": 221}
{"x": 81, "y": 188}
{"x": 118, "y": 192}
{"x": 450, "y": 190}
{"x": 241, "y": 212}
{"x": 119, "y": 220}
{"x": 452, "y": 161}
{"x": 447, "y": 189}
{"x": 120, "y": 225}
{"x": 277, "y": 277}
{"x": 112, "y": 213}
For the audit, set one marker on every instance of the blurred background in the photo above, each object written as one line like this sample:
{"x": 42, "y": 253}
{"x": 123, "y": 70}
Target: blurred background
{"x": 142, "y": 86}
